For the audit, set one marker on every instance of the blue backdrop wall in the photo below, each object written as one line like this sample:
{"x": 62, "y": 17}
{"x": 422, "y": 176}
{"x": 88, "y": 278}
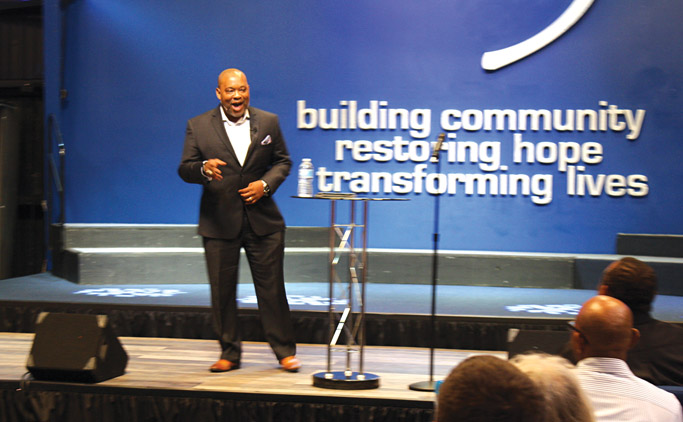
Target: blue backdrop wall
{"x": 556, "y": 152}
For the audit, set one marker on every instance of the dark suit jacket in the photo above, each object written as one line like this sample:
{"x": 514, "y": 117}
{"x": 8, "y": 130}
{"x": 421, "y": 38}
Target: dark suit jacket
{"x": 658, "y": 356}
{"x": 222, "y": 209}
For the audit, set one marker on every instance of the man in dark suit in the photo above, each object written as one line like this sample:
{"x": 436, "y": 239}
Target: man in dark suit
{"x": 238, "y": 154}
{"x": 658, "y": 356}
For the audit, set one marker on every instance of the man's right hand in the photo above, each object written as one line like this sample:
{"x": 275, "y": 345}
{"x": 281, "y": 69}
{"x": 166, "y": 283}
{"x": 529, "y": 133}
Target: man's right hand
{"x": 211, "y": 168}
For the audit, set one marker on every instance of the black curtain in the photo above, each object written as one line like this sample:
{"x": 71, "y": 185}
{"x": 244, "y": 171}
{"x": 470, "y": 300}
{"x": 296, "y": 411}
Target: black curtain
{"x": 311, "y": 327}
{"x": 48, "y": 405}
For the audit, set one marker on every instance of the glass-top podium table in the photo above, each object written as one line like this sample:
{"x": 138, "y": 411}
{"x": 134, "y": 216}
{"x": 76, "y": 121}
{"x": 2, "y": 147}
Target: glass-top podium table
{"x": 347, "y": 277}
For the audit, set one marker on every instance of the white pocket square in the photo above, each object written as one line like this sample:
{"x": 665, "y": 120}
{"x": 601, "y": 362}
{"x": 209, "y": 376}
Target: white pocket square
{"x": 266, "y": 140}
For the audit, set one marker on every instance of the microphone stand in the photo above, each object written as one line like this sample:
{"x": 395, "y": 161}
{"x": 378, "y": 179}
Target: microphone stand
{"x": 430, "y": 385}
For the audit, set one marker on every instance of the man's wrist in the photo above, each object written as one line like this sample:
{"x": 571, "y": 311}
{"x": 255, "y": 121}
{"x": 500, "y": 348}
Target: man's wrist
{"x": 207, "y": 175}
{"x": 266, "y": 188}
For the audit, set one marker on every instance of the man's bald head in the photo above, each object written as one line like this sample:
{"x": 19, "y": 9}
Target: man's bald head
{"x": 606, "y": 329}
{"x": 228, "y": 73}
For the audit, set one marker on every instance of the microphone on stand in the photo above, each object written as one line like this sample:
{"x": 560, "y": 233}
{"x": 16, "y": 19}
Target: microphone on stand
{"x": 430, "y": 385}
{"x": 439, "y": 142}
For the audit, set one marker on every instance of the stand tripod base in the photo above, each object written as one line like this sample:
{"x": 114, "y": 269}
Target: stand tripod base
{"x": 339, "y": 380}
{"x": 423, "y": 386}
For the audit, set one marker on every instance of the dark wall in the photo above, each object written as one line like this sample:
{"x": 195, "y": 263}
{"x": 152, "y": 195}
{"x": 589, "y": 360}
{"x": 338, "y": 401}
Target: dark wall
{"x": 21, "y": 97}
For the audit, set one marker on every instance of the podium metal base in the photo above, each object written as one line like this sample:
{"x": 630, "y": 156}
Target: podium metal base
{"x": 338, "y": 380}
{"x": 423, "y": 386}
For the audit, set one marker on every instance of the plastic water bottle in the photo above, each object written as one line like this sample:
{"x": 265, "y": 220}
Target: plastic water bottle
{"x": 305, "y": 187}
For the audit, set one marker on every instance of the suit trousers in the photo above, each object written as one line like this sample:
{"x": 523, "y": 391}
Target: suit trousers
{"x": 265, "y": 255}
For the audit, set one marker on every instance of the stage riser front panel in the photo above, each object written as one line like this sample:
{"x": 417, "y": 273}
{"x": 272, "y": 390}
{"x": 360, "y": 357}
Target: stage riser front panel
{"x": 651, "y": 245}
{"x": 669, "y": 273}
{"x": 383, "y": 267}
{"x": 80, "y": 256}
{"x": 163, "y": 236}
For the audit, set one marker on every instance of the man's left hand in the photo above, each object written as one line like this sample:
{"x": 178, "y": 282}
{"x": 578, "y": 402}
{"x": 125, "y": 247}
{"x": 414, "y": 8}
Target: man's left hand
{"x": 252, "y": 193}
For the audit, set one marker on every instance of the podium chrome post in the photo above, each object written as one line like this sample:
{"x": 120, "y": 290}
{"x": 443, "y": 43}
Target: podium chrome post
{"x": 332, "y": 274}
{"x": 361, "y": 335}
{"x": 353, "y": 318}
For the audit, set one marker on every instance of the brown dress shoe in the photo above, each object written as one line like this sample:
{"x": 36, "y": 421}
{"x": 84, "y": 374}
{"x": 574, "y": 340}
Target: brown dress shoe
{"x": 290, "y": 364}
{"x": 224, "y": 365}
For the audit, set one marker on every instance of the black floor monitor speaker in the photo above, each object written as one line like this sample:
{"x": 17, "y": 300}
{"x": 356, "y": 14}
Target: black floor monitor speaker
{"x": 537, "y": 341}
{"x": 75, "y": 348}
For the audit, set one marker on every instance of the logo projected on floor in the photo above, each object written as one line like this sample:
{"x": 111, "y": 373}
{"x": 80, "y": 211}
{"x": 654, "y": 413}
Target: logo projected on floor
{"x": 299, "y": 300}
{"x": 117, "y": 292}
{"x": 566, "y": 309}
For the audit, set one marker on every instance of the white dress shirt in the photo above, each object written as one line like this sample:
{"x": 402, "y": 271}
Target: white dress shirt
{"x": 618, "y": 395}
{"x": 239, "y": 133}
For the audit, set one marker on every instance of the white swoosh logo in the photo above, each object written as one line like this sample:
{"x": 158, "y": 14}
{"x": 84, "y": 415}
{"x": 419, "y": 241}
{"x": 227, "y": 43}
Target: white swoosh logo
{"x": 494, "y": 60}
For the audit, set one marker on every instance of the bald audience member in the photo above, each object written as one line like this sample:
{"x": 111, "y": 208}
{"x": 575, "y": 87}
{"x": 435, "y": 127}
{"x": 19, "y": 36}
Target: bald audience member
{"x": 658, "y": 356}
{"x": 603, "y": 334}
{"x": 489, "y": 389}
{"x": 565, "y": 400}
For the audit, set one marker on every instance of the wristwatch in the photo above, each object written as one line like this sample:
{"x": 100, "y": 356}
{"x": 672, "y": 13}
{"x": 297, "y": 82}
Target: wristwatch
{"x": 266, "y": 188}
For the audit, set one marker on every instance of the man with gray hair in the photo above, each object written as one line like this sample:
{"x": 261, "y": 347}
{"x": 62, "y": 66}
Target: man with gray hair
{"x": 565, "y": 400}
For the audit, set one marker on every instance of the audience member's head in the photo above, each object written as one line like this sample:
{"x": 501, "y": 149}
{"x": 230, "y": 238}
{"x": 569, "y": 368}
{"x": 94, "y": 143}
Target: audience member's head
{"x": 632, "y": 281}
{"x": 603, "y": 328}
{"x": 565, "y": 401}
{"x": 489, "y": 389}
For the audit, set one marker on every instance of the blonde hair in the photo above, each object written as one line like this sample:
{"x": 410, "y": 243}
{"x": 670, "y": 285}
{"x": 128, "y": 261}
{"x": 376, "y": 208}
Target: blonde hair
{"x": 565, "y": 401}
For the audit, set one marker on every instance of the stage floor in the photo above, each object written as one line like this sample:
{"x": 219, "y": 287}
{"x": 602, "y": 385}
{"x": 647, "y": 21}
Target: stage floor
{"x": 463, "y": 301}
{"x": 168, "y": 379}
{"x": 182, "y": 364}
